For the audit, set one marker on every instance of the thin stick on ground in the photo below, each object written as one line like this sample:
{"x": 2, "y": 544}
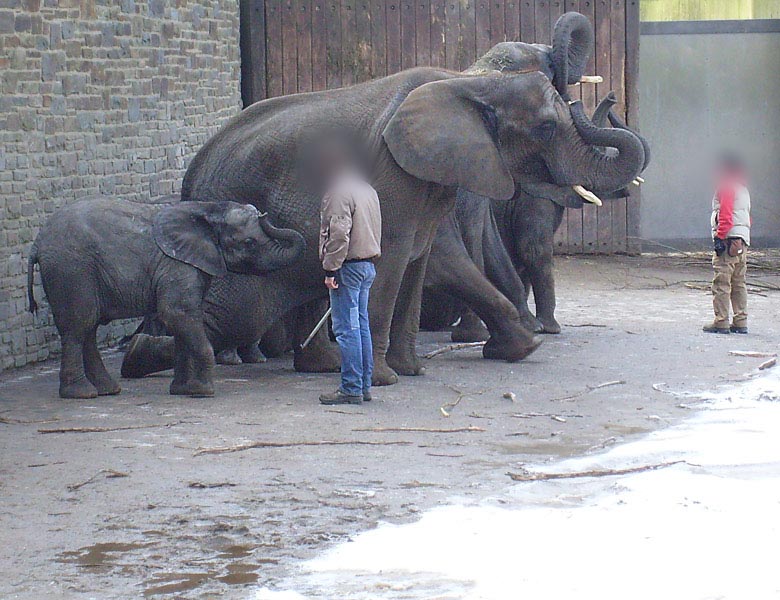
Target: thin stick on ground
{"x": 453, "y": 347}
{"x": 583, "y": 325}
{"x": 528, "y": 476}
{"x": 589, "y": 389}
{"x": 752, "y": 354}
{"x": 470, "y": 428}
{"x": 109, "y": 473}
{"x": 252, "y": 445}
{"x": 105, "y": 429}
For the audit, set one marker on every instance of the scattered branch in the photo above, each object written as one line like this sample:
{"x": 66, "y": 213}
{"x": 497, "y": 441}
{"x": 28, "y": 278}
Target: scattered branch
{"x": 589, "y": 389}
{"x": 452, "y": 347}
{"x": 109, "y": 473}
{"x": 752, "y": 354}
{"x": 199, "y": 485}
{"x": 7, "y": 421}
{"x": 583, "y": 325}
{"x": 767, "y": 364}
{"x": 420, "y": 429}
{"x": 105, "y": 429}
{"x": 252, "y": 445}
{"x": 528, "y": 476}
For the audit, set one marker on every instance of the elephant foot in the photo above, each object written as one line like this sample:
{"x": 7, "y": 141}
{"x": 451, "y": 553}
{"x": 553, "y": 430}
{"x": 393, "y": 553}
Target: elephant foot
{"x": 108, "y": 387}
{"x": 146, "y": 355}
{"x": 471, "y": 333}
{"x": 80, "y": 389}
{"x": 193, "y": 388}
{"x": 383, "y": 374}
{"x": 407, "y": 364}
{"x": 549, "y": 325}
{"x": 251, "y": 354}
{"x": 510, "y": 352}
{"x": 228, "y": 357}
{"x": 318, "y": 359}
{"x": 532, "y": 324}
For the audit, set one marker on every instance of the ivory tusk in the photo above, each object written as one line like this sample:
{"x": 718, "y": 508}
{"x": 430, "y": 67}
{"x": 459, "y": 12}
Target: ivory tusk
{"x": 591, "y": 79}
{"x": 640, "y": 179}
{"x": 587, "y": 195}
{"x": 636, "y": 182}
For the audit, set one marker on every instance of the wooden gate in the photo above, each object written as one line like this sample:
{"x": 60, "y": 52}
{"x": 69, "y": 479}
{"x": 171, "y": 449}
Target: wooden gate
{"x": 290, "y": 46}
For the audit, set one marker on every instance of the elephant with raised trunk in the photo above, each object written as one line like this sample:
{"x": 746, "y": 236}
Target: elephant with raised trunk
{"x": 424, "y": 133}
{"x": 487, "y": 254}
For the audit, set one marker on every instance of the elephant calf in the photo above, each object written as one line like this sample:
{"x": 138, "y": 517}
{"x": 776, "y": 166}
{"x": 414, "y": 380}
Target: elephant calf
{"x": 103, "y": 259}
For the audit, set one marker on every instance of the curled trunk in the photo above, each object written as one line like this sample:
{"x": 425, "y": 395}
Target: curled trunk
{"x": 572, "y": 45}
{"x": 285, "y": 245}
{"x": 608, "y": 173}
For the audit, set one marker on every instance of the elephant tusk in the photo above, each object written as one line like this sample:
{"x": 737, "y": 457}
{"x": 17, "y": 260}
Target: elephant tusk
{"x": 587, "y": 195}
{"x": 640, "y": 179}
{"x": 590, "y": 79}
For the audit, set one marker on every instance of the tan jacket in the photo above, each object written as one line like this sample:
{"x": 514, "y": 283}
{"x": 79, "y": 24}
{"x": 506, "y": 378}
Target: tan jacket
{"x": 350, "y": 223}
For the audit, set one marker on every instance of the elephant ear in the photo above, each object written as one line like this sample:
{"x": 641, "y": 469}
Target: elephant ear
{"x": 184, "y": 232}
{"x": 442, "y": 133}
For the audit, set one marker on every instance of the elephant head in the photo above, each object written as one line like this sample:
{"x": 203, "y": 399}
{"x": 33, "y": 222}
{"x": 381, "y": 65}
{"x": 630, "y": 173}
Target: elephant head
{"x": 217, "y": 237}
{"x": 479, "y": 133}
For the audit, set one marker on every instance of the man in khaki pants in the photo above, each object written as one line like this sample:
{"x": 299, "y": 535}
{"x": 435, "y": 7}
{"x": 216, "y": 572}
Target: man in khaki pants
{"x": 731, "y": 238}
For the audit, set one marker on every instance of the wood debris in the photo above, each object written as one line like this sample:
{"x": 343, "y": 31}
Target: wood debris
{"x": 529, "y": 476}
{"x": 589, "y": 389}
{"x": 199, "y": 485}
{"x": 109, "y": 473}
{"x": 420, "y": 429}
{"x": 252, "y": 445}
{"x": 105, "y": 429}
{"x": 767, "y": 364}
{"x": 453, "y": 347}
{"x": 510, "y": 396}
{"x": 752, "y": 353}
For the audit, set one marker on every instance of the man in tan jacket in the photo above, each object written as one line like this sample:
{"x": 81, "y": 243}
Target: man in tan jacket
{"x": 350, "y": 239}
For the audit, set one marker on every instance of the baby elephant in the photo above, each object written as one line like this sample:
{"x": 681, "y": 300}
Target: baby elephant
{"x": 104, "y": 259}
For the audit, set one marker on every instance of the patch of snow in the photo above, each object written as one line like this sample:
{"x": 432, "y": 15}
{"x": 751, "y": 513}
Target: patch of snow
{"x": 705, "y": 528}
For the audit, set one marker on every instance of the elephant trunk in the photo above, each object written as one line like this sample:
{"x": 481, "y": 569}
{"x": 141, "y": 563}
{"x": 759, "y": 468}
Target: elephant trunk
{"x": 617, "y": 123}
{"x": 600, "y": 171}
{"x": 572, "y": 45}
{"x": 601, "y": 114}
{"x": 284, "y": 247}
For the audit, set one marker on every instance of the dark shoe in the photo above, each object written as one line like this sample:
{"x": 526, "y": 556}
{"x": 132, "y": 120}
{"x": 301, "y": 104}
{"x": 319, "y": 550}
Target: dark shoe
{"x": 339, "y": 397}
{"x": 735, "y": 329}
{"x": 367, "y": 397}
{"x": 715, "y": 329}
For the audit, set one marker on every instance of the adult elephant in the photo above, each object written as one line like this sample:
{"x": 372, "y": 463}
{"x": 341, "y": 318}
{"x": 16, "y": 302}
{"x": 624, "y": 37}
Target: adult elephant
{"x": 470, "y": 269}
{"x": 424, "y": 132}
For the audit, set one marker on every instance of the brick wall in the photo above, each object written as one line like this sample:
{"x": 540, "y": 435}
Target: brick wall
{"x": 99, "y": 97}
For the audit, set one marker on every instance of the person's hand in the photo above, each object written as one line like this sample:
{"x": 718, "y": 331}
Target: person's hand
{"x": 719, "y": 246}
{"x": 330, "y": 283}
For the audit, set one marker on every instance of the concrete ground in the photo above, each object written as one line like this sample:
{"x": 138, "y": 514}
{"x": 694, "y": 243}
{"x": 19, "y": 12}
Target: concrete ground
{"x": 138, "y": 509}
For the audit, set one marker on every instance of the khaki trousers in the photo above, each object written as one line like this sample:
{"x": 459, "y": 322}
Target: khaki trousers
{"x": 728, "y": 285}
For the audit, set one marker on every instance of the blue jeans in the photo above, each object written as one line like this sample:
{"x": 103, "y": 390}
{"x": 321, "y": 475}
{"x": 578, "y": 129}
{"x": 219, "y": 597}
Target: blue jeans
{"x": 349, "y": 306}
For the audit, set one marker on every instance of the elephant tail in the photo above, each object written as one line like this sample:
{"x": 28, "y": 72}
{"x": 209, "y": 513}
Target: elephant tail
{"x": 33, "y": 258}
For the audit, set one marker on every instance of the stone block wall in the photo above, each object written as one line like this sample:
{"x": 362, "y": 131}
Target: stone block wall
{"x": 99, "y": 97}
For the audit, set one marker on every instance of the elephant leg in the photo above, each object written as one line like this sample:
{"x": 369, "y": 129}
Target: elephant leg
{"x": 251, "y": 354}
{"x": 229, "y": 356}
{"x": 470, "y": 329}
{"x": 73, "y": 379}
{"x": 321, "y": 355}
{"x": 194, "y": 360}
{"x": 95, "y": 369}
{"x": 147, "y": 354}
{"x": 382, "y": 301}
{"x": 509, "y": 340}
{"x": 275, "y": 341}
{"x": 402, "y": 353}
{"x": 543, "y": 282}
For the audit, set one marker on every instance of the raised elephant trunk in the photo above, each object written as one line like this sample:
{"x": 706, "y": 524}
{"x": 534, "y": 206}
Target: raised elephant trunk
{"x": 285, "y": 245}
{"x": 604, "y": 114}
{"x": 608, "y": 173}
{"x": 572, "y": 44}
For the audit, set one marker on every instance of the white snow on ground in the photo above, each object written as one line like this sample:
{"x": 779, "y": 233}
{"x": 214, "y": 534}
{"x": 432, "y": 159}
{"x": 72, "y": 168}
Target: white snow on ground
{"x": 706, "y": 528}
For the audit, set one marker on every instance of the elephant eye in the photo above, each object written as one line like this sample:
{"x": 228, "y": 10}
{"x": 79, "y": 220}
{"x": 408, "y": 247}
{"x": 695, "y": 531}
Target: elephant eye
{"x": 249, "y": 242}
{"x": 544, "y": 132}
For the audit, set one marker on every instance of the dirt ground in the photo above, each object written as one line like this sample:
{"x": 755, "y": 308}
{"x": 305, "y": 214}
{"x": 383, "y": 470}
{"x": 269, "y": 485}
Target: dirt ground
{"x": 138, "y": 511}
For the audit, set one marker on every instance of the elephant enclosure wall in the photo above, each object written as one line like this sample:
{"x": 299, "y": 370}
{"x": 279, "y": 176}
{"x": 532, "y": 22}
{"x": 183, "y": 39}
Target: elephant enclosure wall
{"x": 100, "y": 97}
{"x": 293, "y": 46}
